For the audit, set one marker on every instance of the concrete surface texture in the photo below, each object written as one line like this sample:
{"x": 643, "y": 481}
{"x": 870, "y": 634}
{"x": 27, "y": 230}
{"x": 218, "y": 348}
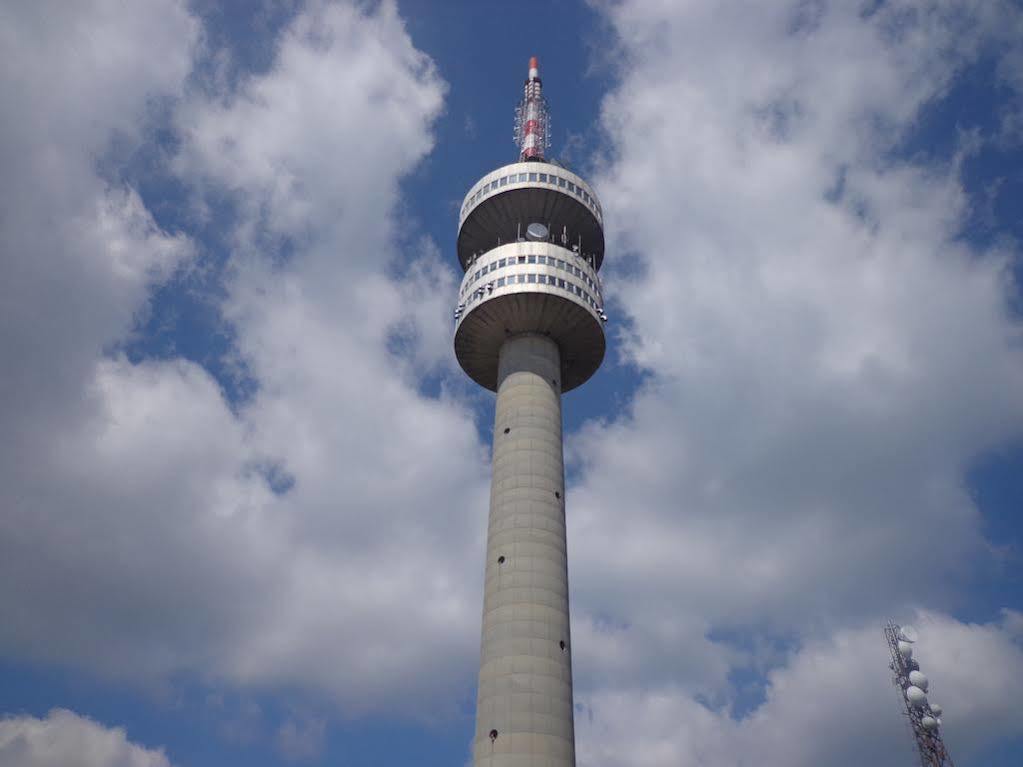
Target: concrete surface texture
{"x": 524, "y": 702}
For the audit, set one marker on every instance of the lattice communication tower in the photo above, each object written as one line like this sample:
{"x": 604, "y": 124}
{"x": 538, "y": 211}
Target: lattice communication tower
{"x": 924, "y": 717}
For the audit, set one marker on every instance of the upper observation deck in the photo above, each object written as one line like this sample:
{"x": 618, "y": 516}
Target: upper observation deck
{"x": 500, "y": 206}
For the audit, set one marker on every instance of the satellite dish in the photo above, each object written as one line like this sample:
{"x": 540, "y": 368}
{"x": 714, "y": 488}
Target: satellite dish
{"x": 929, "y": 723}
{"x": 905, "y": 650}
{"x": 537, "y": 232}
{"x": 935, "y": 709}
{"x": 908, "y": 634}
{"x": 917, "y": 679}
{"x": 916, "y": 696}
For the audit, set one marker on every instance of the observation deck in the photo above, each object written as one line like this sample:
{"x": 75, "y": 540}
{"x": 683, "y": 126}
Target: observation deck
{"x": 500, "y": 206}
{"x": 531, "y": 241}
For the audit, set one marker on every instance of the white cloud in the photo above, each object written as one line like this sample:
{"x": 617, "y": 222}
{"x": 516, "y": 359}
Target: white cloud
{"x": 79, "y": 248}
{"x": 825, "y": 360}
{"x": 80, "y": 255}
{"x": 833, "y": 703}
{"x": 64, "y": 739}
{"x": 821, "y": 376}
{"x": 142, "y": 538}
{"x": 826, "y": 357}
{"x": 387, "y": 482}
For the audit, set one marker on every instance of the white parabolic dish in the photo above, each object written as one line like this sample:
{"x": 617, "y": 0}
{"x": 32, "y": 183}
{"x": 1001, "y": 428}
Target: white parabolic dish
{"x": 905, "y": 650}
{"x": 929, "y": 723}
{"x": 908, "y": 634}
{"x": 935, "y": 709}
{"x": 916, "y": 696}
{"x": 918, "y": 679}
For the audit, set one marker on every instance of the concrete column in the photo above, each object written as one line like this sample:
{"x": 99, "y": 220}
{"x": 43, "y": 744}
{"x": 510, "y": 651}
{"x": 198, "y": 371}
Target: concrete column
{"x": 525, "y": 682}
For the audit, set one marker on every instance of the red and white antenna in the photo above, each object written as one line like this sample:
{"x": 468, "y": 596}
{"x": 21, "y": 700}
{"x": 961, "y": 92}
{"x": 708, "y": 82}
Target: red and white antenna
{"x": 532, "y": 120}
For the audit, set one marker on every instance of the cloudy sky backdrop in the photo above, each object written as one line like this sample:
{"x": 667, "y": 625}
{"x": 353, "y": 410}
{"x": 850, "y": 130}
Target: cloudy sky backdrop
{"x": 243, "y": 482}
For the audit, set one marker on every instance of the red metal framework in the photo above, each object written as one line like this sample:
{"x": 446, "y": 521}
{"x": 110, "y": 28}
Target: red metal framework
{"x": 532, "y": 118}
{"x": 923, "y": 717}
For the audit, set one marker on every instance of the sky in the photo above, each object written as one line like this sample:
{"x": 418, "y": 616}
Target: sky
{"x": 243, "y": 485}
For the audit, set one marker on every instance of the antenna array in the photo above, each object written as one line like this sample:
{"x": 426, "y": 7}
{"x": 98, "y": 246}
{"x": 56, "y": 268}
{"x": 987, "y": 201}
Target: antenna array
{"x": 924, "y": 717}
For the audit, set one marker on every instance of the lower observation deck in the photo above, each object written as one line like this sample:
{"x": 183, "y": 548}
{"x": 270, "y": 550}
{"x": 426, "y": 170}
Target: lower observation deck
{"x": 530, "y": 287}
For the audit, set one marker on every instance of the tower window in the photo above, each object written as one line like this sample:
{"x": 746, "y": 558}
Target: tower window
{"x": 522, "y": 259}
{"x": 532, "y": 177}
{"x": 541, "y": 259}
{"x": 531, "y": 278}
{"x": 522, "y": 178}
{"x": 543, "y": 177}
{"x": 504, "y": 180}
{"x": 500, "y": 282}
{"x": 561, "y": 182}
{"x": 530, "y": 259}
{"x": 522, "y": 278}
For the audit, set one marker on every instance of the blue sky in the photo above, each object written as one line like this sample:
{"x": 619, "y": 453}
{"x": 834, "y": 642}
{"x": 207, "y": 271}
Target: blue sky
{"x": 244, "y": 485}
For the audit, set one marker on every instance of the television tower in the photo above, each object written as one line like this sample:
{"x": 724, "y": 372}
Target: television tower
{"x": 924, "y": 718}
{"x": 529, "y": 326}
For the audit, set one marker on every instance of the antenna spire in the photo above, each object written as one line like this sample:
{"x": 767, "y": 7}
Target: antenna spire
{"x": 532, "y": 119}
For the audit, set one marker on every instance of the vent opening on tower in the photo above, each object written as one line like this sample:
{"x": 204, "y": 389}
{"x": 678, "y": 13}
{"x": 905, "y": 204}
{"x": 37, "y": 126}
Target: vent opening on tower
{"x": 500, "y": 560}
{"x": 493, "y": 735}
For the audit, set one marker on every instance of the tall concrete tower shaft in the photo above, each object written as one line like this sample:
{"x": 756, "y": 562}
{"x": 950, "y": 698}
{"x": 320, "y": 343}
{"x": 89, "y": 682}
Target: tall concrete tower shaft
{"x": 529, "y": 326}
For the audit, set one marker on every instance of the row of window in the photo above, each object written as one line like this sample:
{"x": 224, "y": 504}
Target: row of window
{"x": 557, "y": 263}
{"x": 537, "y": 177}
{"x": 530, "y": 279}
